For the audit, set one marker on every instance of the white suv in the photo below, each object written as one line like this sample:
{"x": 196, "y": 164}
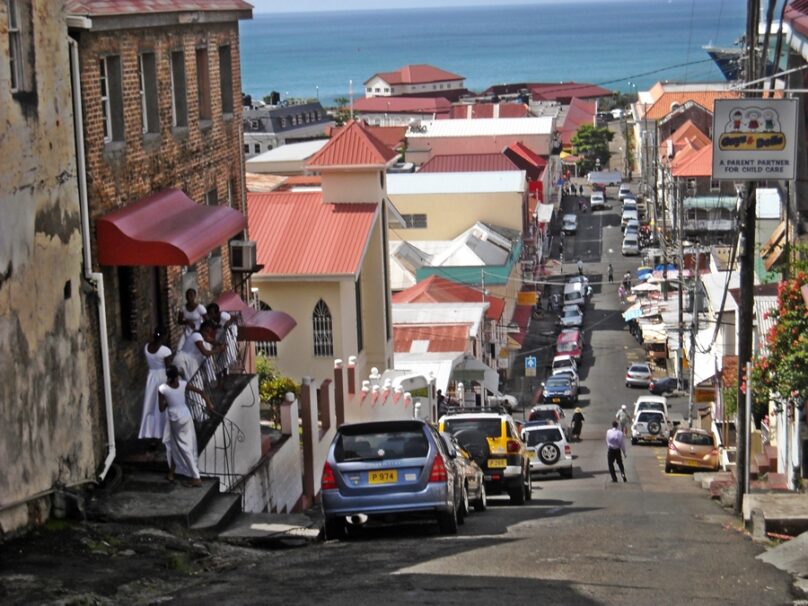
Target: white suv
{"x": 548, "y": 449}
{"x": 596, "y": 200}
{"x": 651, "y": 426}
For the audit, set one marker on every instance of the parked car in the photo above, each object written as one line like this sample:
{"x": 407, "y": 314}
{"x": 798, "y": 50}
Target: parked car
{"x": 568, "y": 372}
{"x": 564, "y": 361}
{"x": 494, "y": 442}
{"x": 638, "y": 375}
{"x": 627, "y": 216}
{"x": 571, "y": 316}
{"x": 548, "y": 449}
{"x": 625, "y": 190}
{"x": 570, "y": 343}
{"x": 559, "y": 390}
{"x": 575, "y": 293}
{"x": 659, "y": 403}
{"x": 631, "y": 245}
{"x": 597, "y": 200}
{"x": 384, "y": 469}
{"x": 630, "y": 203}
{"x": 549, "y": 413}
{"x": 569, "y": 224}
{"x": 650, "y": 426}
{"x": 633, "y": 228}
{"x": 692, "y": 449}
{"x": 472, "y": 474}
{"x": 663, "y": 385}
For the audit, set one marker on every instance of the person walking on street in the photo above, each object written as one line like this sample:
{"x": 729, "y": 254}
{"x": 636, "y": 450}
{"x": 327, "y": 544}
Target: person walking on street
{"x": 581, "y": 190}
{"x": 616, "y": 445}
{"x": 611, "y": 273}
{"x": 577, "y": 424}
{"x": 580, "y": 267}
{"x": 627, "y": 280}
{"x": 624, "y": 419}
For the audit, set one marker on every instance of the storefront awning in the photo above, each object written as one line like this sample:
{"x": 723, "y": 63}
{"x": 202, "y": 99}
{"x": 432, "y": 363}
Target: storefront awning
{"x": 257, "y": 325}
{"x": 472, "y": 369}
{"x": 165, "y": 228}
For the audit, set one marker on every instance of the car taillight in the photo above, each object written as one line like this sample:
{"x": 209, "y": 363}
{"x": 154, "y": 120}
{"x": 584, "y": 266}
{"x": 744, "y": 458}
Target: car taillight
{"x": 329, "y": 482}
{"x": 438, "y": 473}
{"x": 513, "y": 446}
{"x": 567, "y": 449}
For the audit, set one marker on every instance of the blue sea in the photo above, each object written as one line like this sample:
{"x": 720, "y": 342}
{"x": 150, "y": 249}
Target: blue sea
{"x": 619, "y": 44}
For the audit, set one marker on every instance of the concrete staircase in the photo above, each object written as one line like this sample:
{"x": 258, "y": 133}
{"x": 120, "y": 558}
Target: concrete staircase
{"x": 146, "y": 498}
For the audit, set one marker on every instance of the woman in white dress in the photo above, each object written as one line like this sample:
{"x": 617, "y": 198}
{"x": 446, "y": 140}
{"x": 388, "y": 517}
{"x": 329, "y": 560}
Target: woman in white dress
{"x": 180, "y": 435}
{"x": 153, "y": 421}
{"x": 226, "y": 333}
{"x": 190, "y": 317}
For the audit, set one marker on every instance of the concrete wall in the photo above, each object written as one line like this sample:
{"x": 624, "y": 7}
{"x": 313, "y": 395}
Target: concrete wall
{"x": 47, "y": 413}
{"x": 354, "y": 186}
{"x": 449, "y": 215}
{"x": 196, "y": 159}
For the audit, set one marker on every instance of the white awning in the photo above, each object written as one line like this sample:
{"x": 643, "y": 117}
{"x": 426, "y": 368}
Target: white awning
{"x": 471, "y": 369}
{"x": 544, "y": 213}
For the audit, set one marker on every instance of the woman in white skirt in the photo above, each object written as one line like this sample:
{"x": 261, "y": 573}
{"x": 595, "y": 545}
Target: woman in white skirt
{"x": 190, "y": 316}
{"x": 180, "y": 435}
{"x": 226, "y": 333}
{"x": 153, "y": 421}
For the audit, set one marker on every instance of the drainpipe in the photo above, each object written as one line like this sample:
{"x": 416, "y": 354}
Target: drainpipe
{"x": 94, "y": 278}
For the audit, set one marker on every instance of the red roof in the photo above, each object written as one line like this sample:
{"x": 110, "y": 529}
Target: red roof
{"x": 99, "y": 8}
{"x": 467, "y": 163}
{"x": 440, "y": 337}
{"x": 403, "y": 105}
{"x": 699, "y": 163}
{"x": 165, "y": 228}
{"x": 299, "y": 235}
{"x": 528, "y": 155}
{"x": 554, "y": 91}
{"x": 393, "y": 137}
{"x": 416, "y": 74}
{"x": 669, "y": 101}
{"x": 489, "y": 110}
{"x": 579, "y": 112}
{"x": 521, "y": 317}
{"x": 354, "y": 145}
{"x": 436, "y": 289}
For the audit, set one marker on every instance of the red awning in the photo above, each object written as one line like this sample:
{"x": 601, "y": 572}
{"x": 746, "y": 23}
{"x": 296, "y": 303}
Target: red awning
{"x": 257, "y": 325}
{"x": 165, "y": 228}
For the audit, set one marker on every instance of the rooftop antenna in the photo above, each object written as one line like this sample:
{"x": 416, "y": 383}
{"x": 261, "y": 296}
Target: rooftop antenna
{"x": 350, "y": 96}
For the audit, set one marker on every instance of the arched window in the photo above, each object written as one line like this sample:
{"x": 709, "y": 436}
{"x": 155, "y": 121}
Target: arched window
{"x": 321, "y": 325}
{"x": 268, "y": 349}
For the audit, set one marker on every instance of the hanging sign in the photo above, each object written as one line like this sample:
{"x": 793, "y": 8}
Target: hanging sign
{"x": 755, "y": 139}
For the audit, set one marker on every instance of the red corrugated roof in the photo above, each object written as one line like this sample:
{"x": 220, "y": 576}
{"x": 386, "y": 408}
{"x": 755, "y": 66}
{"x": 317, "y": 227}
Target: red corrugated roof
{"x": 467, "y": 163}
{"x": 416, "y": 74}
{"x": 521, "y": 317}
{"x": 579, "y": 112}
{"x": 98, "y": 8}
{"x": 699, "y": 163}
{"x": 391, "y": 136}
{"x": 436, "y": 289}
{"x": 553, "y": 91}
{"x": 489, "y": 110}
{"x": 441, "y": 337}
{"x": 668, "y": 101}
{"x": 354, "y": 145}
{"x": 528, "y": 155}
{"x": 299, "y": 235}
{"x": 403, "y": 105}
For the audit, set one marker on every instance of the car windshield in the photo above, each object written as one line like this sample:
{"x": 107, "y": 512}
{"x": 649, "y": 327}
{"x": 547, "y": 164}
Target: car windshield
{"x": 648, "y": 415}
{"x": 557, "y": 382}
{"x": 651, "y": 406}
{"x": 694, "y": 439}
{"x": 637, "y": 368}
{"x": 535, "y": 437}
{"x": 381, "y": 446}
{"x": 492, "y": 428}
{"x": 571, "y": 313}
{"x": 543, "y": 414}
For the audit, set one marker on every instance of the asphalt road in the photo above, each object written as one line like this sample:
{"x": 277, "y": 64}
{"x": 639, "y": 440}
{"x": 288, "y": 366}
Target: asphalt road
{"x": 657, "y": 539}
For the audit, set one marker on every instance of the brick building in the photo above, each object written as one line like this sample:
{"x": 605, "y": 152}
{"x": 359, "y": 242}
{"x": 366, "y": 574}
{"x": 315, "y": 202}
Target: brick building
{"x": 161, "y": 102}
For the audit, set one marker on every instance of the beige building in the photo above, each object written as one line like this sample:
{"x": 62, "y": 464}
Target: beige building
{"x": 51, "y": 430}
{"x": 323, "y": 253}
{"x": 440, "y": 206}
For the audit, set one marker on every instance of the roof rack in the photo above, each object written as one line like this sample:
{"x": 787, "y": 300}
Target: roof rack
{"x": 456, "y": 410}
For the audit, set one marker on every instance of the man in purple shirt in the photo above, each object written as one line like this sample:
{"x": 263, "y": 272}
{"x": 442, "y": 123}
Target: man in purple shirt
{"x": 616, "y": 443}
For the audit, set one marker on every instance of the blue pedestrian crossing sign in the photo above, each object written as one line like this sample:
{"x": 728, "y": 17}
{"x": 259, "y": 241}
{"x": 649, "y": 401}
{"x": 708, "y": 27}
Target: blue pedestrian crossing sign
{"x": 530, "y": 366}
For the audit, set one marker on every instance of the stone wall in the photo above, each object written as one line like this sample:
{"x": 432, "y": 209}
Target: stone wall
{"x": 196, "y": 159}
{"x": 47, "y": 411}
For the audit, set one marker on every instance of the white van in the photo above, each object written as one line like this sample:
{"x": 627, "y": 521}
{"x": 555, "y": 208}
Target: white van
{"x": 574, "y": 294}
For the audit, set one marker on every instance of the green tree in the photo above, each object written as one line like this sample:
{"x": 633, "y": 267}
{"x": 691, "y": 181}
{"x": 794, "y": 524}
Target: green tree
{"x": 341, "y": 111}
{"x": 272, "y": 388}
{"x": 591, "y": 143}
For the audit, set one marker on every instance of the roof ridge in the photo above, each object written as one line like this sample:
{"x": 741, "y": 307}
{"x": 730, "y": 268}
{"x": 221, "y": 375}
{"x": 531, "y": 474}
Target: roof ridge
{"x": 354, "y": 144}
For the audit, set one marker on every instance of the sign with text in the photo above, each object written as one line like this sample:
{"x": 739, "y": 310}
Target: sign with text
{"x": 754, "y": 139}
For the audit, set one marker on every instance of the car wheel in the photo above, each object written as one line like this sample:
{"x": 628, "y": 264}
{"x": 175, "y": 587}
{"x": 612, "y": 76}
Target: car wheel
{"x": 566, "y": 473}
{"x": 481, "y": 504}
{"x": 668, "y": 468}
{"x": 634, "y": 441}
{"x": 549, "y": 453}
{"x": 529, "y": 487}
{"x": 447, "y": 521}
{"x": 334, "y": 529}
{"x": 517, "y": 495}
{"x": 654, "y": 427}
{"x": 465, "y": 509}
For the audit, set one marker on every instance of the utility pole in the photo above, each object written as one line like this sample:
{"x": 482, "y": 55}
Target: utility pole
{"x": 747, "y": 262}
{"x": 663, "y": 237}
{"x": 680, "y": 233}
{"x": 694, "y": 331}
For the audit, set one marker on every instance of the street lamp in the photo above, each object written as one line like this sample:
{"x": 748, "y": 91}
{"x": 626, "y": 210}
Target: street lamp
{"x": 317, "y": 89}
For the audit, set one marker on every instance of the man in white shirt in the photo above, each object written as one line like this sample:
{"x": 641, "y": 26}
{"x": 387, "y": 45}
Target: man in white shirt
{"x": 616, "y": 444}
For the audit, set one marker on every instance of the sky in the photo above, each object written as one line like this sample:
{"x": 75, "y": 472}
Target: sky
{"x": 282, "y": 6}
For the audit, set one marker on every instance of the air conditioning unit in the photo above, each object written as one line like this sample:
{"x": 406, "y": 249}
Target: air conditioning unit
{"x": 242, "y": 255}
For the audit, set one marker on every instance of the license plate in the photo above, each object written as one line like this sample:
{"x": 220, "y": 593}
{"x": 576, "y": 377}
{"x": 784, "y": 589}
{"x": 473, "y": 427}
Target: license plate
{"x": 388, "y": 476}
{"x": 556, "y": 400}
{"x": 497, "y": 463}
{"x": 692, "y": 463}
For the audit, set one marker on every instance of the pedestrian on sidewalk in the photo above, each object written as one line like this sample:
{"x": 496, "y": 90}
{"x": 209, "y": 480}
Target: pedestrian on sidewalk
{"x": 611, "y": 273}
{"x": 621, "y": 292}
{"x": 616, "y": 445}
{"x": 624, "y": 419}
{"x": 627, "y": 281}
{"x": 577, "y": 424}
{"x": 581, "y": 190}
{"x": 580, "y": 267}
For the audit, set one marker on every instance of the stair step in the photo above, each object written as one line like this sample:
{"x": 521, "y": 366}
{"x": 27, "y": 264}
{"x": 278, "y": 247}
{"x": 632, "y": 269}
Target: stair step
{"x": 219, "y": 511}
{"x": 272, "y": 528}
